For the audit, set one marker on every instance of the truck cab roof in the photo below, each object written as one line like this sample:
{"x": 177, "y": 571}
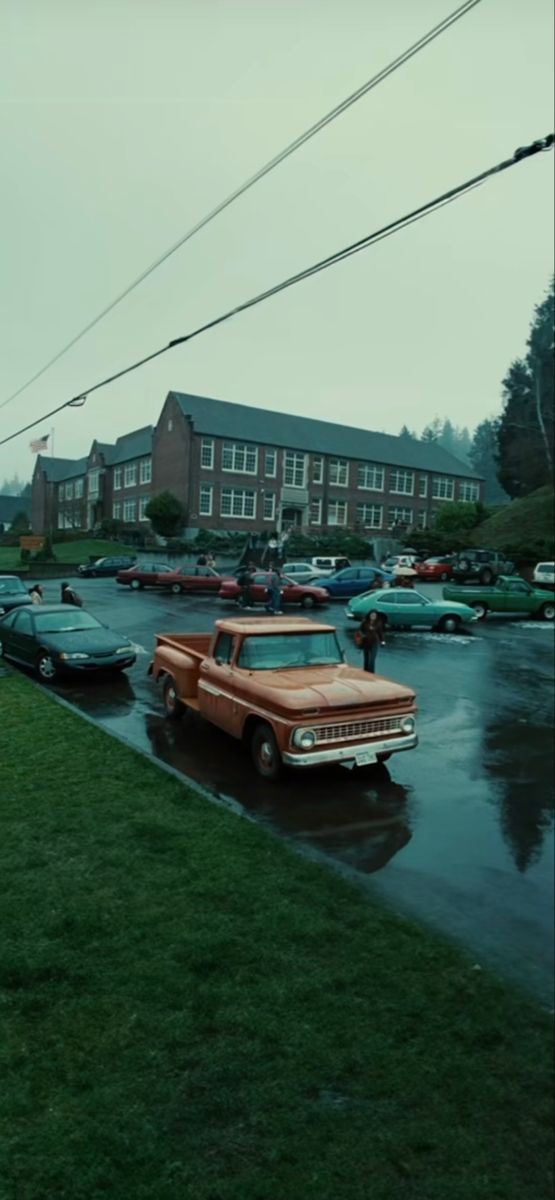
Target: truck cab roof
{"x": 269, "y": 625}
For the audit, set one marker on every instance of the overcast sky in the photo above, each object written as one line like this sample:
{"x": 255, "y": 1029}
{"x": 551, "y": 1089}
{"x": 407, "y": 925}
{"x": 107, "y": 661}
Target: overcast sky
{"x": 124, "y": 121}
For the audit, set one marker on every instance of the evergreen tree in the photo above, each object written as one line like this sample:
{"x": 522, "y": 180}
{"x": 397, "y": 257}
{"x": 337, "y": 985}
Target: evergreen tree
{"x": 526, "y": 427}
{"x": 483, "y": 460}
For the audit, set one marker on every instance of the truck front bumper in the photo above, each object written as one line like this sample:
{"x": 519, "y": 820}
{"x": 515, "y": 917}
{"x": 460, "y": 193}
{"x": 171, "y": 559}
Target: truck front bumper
{"x": 361, "y": 754}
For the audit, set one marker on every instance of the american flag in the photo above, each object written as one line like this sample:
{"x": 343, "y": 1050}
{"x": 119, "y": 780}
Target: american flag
{"x": 39, "y": 444}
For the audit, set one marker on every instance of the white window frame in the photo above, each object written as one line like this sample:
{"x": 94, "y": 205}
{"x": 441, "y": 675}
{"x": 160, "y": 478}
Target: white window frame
{"x": 69, "y": 491}
{"x": 206, "y": 492}
{"x": 93, "y": 482}
{"x": 207, "y": 454}
{"x": 401, "y": 482}
{"x": 130, "y": 475}
{"x": 143, "y": 501}
{"x": 334, "y": 517}
{"x": 270, "y": 464}
{"x": 269, "y": 506}
{"x": 423, "y": 487}
{"x": 318, "y": 471}
{"x": 422, "y": 518}
{"x": 129, "y": 507}
{"x": 294, "y": 468}
{"x": 78, "y": 489}
{"x": 316, "y": 512}
{"x": 116, "y": 510}
{"x": 370, "y": 516}
{"x": 371, "y": 472}
{"x": 443, "y": 487}
{"x": 145, "y": 471}
{"x": 338, "y": 472}
{"x": 466, "y": 485}
{"x": 232, "y": 499}
{"x": 61, "y": 492}
{"x": 117, "y": 478}
{"x": 238, "y": 454}
{"x": 396, "y": 515}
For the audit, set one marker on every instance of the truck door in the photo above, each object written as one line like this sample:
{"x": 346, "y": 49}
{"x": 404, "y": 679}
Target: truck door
{"x": 216, "y": 685}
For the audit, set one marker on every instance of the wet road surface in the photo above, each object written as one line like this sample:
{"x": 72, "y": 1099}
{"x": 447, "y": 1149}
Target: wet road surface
{"x": 458, "y": 832}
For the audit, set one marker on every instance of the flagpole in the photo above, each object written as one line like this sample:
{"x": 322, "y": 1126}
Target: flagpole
{"x": 52, "y": 442}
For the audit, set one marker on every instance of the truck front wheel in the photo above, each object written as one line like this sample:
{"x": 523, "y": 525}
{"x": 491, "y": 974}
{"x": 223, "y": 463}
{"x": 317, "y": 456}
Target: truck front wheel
{"x": 265, "y": 752}
{"x": 172, "y": 705}
{"x": 548, "y": 612}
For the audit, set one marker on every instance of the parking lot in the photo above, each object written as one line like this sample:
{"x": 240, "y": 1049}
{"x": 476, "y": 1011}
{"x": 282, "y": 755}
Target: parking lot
{"x": 458, "y": 832}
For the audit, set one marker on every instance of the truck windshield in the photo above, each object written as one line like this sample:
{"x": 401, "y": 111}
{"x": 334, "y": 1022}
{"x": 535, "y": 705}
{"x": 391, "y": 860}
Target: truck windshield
{"x": 275, "y": 651}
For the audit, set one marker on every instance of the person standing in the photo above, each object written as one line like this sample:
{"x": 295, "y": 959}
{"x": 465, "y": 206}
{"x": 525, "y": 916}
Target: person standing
{"x": 36, "y": 594}
{"x": 69, "y": 596}
{"x": 245, "y": 580}
{"x": 274, "y": 591}
{"x": 370, "y": 638}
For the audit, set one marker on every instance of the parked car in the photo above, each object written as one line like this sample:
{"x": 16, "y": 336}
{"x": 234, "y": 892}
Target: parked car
{"x": 329, "y": 564}
{"x": 106, "y": 566}
{"x": 13, "y": 593}
{"x": 399, "y": 560}
{"x": 307, "y": 595}
{"x": 435, "y": 570}
{"x": 302, "y": 572}
{"x": 481, "y": 565}
{"x": 406, "y": 607}
{"x": 54, "y": 638}
{"x": 510, "y": 594}
{"x": 282, "y": 687}
{"x": 544, "y": 574}
{"x": 191, "y": 579}
{"x": 143, "y": 575}
{"x": 354, "y": 580}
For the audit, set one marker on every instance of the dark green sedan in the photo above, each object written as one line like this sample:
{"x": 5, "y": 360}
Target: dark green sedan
{"x": 55, "y": 638}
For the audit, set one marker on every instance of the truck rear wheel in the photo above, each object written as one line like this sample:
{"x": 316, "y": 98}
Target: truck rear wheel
{"x": 548, "y": 612}
{"x": 481, "y": 610}
{"x": 173, "y": 707}
{"x": 265, "y": 752}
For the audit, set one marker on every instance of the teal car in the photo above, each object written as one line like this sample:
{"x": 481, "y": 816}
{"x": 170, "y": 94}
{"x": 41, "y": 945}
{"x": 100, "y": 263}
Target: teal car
{"x": 404, "y": 607}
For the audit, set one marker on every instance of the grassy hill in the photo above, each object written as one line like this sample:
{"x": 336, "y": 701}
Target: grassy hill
{"x": 523, "y": 528}
{"x": 67, "y": 552}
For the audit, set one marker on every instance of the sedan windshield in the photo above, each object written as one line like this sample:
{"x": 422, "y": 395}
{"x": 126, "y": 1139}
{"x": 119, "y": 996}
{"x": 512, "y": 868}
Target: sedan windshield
{"x": 290, "y": 650}
{"x": 65, "y": 622}
{"x": 11, "y": 587}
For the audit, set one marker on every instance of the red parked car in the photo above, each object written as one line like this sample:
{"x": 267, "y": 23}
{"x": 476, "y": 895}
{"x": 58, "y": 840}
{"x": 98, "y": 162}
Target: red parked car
{"x": 191, "y": 579}
{"x": 435, "y": 570}
{"x": 307, "y": 595}
{"x": 143, "y": 575}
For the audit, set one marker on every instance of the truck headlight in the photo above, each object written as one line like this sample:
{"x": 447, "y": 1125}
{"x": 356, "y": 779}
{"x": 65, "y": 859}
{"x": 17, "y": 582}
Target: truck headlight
{"x": 305, "y": 738}
{"x": 408, "y": 725}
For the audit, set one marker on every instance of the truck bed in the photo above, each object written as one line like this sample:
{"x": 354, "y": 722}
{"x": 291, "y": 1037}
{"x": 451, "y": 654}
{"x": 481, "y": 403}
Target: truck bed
{"x": 196, "y": 645}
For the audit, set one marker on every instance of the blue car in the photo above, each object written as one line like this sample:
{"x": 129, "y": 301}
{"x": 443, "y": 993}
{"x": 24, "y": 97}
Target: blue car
{"x": 351, "y": 581}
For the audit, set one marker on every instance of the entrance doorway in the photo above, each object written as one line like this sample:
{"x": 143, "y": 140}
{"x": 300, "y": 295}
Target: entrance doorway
{"x": 292, "y": 518}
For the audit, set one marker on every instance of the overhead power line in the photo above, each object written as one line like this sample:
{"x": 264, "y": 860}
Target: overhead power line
{"x": 272, "y": 163}
{"x": 370, "y": 239}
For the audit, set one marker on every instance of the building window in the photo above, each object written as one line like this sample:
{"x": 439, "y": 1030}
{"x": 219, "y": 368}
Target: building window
{"x": 401, "y": 483}
{"x": 270, "y": 464}
{"x": 422, "y": 518}
{"x": 117, "y": 478}
{"x": 69, "y": 491}
{"x": 130, "y": 510}
{"x": 339, "y": 472}
{"x": 317, "y": 472}
{"x": 269, "y": 506}
{"x": 443, "y": 488}
{"x": 237, "y": 502}
{"x": 116, "y": 511}
{"x": 76, "y": 518}
{"x": 143, "y": 501}
{"x": 62, "y": 491}
{"x": 399, "y": 516}
{"x": 337, "y": 512}
{"x": 316, "y": 512}
{"x": 294, "y": 469}
{"x": 78, "y": 489}
{"x": 370, "y": 477}
{"x": 130, "y": 475}
{"x": 94, "y": 482}
{"x": 145, "y": 473}
{"x": 370, "y": 515}
{"x": 239, "y": 457}
{"x": 207, "y": 455}
{"x": 205, "y": 500}
{"x": 423, "y": 487}
{"x": 469, "y": 492}
{"x": 170, "y": 425}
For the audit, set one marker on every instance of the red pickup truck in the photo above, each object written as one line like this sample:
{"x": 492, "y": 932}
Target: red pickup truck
{"x": 282, "y": 686}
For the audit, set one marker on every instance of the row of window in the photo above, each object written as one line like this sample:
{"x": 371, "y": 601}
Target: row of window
{"x": 241, "y": 458}
{"x": 129, "y": 508}
{"x": 70, "y": 491}
{"x": 242, "y": 502}
{"x": 132, "y": 473}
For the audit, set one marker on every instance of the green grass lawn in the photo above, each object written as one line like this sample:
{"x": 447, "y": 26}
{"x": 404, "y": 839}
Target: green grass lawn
{"x": 67, "y": 552}
{"x": 192, "y": 1012}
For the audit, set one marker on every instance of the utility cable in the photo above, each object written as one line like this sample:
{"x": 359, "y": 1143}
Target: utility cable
{"x": 370, "y": 239}
{"x": 253, "y": 179}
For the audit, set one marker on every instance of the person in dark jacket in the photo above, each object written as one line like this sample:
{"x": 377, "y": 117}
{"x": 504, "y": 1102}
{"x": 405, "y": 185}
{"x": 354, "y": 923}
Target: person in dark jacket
{"x": 371, "y": 637}
{"x": 274, "y": 591}
{"x": 69, "y": 596}
{"x": 244, "y": 579}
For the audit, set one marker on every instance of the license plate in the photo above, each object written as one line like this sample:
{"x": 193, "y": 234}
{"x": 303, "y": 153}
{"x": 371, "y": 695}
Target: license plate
{"x": 363, "y": 757}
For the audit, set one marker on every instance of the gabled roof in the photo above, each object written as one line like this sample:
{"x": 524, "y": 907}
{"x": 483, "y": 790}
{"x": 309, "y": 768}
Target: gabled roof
{"x": 58, "y": 469}
{"x": 10, "y": 506}
{"x": 137, "y": 444}
{"x": 220, "y": 418}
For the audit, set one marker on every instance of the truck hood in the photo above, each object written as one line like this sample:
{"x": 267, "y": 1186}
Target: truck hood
{"x": 319, "y": 689}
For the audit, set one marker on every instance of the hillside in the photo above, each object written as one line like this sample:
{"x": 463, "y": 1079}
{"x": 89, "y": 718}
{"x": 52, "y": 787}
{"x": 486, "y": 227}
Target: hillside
{"x": 523, "y": 528}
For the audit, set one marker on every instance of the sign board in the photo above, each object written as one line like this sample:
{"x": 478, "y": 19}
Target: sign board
{"x": 31, "y": 543}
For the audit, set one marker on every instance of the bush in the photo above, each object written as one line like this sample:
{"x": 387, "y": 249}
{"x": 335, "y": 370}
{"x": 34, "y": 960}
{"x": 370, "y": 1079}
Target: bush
{"x": 46, "y": 554}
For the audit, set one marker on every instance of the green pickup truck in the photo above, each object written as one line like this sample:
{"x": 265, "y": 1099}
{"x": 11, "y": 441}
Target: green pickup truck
{"x": 511, "y": 594}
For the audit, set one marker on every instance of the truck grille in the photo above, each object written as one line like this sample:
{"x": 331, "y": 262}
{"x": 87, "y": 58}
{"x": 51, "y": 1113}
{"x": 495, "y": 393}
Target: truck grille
{"x": 354, "y": 730}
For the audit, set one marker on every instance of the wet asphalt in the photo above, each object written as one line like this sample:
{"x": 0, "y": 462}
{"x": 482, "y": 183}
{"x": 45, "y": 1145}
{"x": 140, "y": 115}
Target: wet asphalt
{"x": 458, "y": 832}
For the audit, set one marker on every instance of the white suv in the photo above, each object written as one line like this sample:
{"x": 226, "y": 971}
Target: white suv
{"x": 544, "y": 574}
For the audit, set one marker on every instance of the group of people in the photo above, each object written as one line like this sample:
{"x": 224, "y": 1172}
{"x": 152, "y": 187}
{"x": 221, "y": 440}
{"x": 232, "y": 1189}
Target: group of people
{"x": 245, "y": 578}
{"x": 206, "y": 560}
{"x": 68, "y": 595}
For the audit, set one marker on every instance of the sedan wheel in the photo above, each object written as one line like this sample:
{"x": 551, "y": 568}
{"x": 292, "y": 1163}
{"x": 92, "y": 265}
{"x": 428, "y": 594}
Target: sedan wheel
{"x": 444, "y": 577}
{"x": 307, "y": 602}
{"x": 481, "y": 611}
{"x": 176, "y": 589}
{"x": 136, "y": 584}
{"x": 547, "y": 612}
{"x": 46, "y": 667}
{"x": 449, "y": 624}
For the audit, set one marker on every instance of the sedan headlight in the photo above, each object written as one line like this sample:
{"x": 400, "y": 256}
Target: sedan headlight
{"x": 123, "y": 650}
{"x": 2, "y": 610}
{"x": 408, "y": 725}
{"x": 305, "y": 738}
{"x": 72, "y": 657}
